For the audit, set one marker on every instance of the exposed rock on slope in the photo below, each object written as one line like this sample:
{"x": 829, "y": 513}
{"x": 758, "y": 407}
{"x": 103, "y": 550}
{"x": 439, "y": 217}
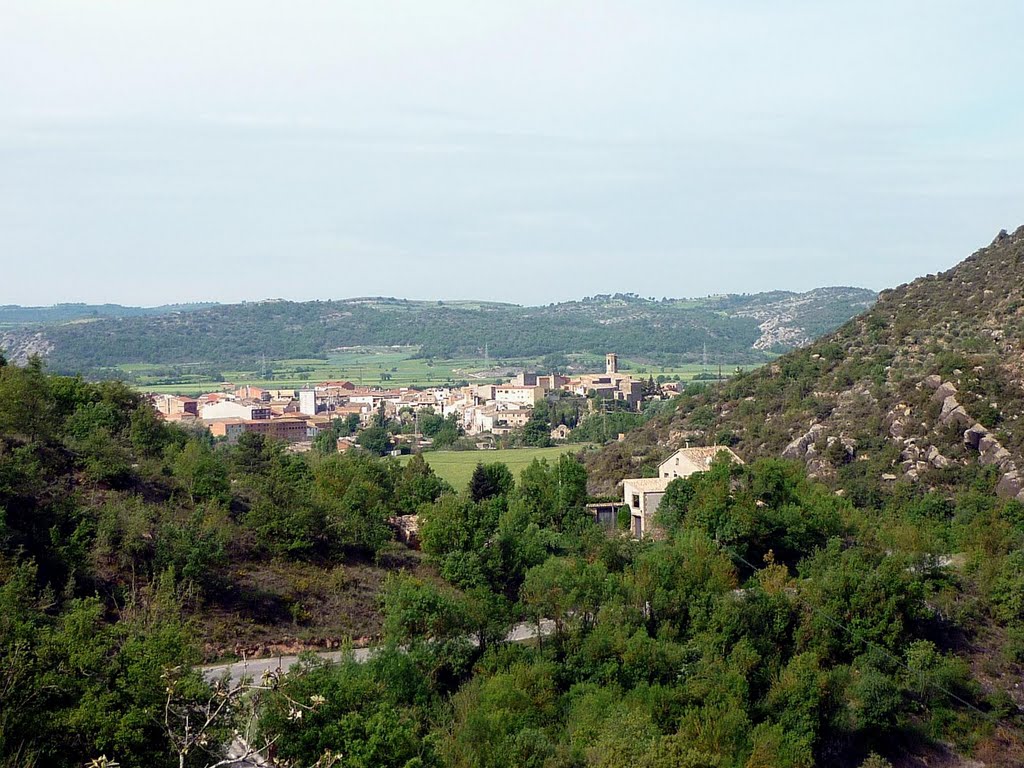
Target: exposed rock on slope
{"x": 927, "y": 386}
{"x": 19, "y": 347}
{"x": 789, "y": 320}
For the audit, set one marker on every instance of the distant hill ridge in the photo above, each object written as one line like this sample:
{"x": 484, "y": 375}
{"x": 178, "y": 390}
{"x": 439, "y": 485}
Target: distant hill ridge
{"x": 736, "y": 328}
{"x": 925, "y": 387}
{"x": 62, "y": 313}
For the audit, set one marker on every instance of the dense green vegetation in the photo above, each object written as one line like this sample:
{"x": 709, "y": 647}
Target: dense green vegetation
{"x": 456, "y": 467}
{"x": 774, "y": 624}
{"x": 222, "y": 336}
{"x": 120, "y": 534}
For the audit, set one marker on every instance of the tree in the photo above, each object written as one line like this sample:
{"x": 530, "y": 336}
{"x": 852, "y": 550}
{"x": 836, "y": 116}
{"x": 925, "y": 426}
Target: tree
{"x": 327, "y": 440}
{"x": 25, "y": 405}
{"x": 537, "y": 431}
{"x": 489, "y": 481}
{"x": 149, "y": 434}
{"x": 322, "y": 715}
{"x": 202, "y": 474}
{"x": 113, "y": 702}
{"x": 253, "y": 453}
{"x": 417, "y": 485}
{"x": 551, "y": 493}
{"x": 454, "y": 532}
{"x": 562, "y": 589}
{"x": 375, "y": 439}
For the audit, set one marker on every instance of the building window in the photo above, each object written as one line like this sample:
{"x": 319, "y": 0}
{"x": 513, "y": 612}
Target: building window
{"x": 636, "y": 501}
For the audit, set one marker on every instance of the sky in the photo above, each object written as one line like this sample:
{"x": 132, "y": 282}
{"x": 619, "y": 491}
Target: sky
{"x": 528, "y": 151}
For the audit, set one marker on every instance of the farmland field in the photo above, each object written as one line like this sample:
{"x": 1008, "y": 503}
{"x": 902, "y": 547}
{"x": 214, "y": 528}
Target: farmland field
{"x": 378, "y": 366}
{"x": 456, "y": 467}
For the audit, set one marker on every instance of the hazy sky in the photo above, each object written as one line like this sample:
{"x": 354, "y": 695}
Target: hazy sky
{"x": 157, "y": 151}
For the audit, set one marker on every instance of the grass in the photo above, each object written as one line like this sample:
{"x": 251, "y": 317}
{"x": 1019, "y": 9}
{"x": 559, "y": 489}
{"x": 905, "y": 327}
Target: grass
{"x": 456, "y": 467}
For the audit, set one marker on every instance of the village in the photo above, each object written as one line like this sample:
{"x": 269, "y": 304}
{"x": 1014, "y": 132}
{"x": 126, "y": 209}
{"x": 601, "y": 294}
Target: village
{"x": 298, "y": 417}
{"x": 485, "y": 410}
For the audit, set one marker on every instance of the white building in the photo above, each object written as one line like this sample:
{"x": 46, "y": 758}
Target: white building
{"x": 644, "y": 495}
{"x": 307, "y": 402}
{"x": 514, "y": 395}
{"x": 687, "y": 461}
{"x": 232, "y": 409}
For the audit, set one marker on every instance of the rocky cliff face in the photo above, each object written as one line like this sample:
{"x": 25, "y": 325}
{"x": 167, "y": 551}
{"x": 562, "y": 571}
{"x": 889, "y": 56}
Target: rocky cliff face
{"x": 926, "y": 387}
{"x": 19, "y": 346}
{"x": 790, "y": 320}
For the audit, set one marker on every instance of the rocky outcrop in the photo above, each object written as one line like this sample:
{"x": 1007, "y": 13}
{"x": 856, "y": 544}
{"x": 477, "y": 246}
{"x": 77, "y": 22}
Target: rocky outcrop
{"x": 19, "y": 346}
{"x": 990, "y": 452}
{"x": 407, "y": 529}
{"x": 797, "y": 449}
{"x": 789, "y": 321}
{"x": 898, "y": 420}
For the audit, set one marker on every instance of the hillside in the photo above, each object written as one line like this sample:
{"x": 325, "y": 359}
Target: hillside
{"x": 735, "y": 328}
{"x": 913, "y": 413}
{"x": 924, "y": 387}
{"x": 130, "y": 549}
{"x": 15, "y": 314}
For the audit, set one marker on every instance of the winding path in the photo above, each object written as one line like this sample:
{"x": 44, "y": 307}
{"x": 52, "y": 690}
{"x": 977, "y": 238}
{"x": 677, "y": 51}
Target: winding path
{"x": 255, "y": 668}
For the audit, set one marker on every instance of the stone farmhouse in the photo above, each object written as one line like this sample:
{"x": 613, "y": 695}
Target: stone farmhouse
{"x": 643, "y": 495}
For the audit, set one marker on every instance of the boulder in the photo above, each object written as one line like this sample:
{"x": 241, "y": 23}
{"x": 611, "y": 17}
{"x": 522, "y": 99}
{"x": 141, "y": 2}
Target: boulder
{"x": 988, "y": 443}
{"x": 957, "y": 416}
{"x": 910, "y": 453}
{"x": 944, "y": 391}
{"x": 936, "y": 459}
{"x": 973, "y": 436}
{"x": 932, "y": 382}
{"x": 1002, "y": 458}
{"x": 798, "y": 447}
{"x": 1010, "y": 485}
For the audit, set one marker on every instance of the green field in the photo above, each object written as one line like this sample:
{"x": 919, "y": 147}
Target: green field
{"x": 376, "y": 366}
{"x": 365, "y": 366}
{"x": 456, "y": 467}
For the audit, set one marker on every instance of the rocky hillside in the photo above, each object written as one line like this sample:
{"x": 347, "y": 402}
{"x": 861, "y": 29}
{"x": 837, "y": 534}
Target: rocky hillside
{"x": 925, "y": 387}
{"x": 788, "y": 320}
{"x": 732, "y": 328}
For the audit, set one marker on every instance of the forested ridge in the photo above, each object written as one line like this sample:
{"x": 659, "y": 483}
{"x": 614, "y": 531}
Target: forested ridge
{"x": 242, "y": 333}
{"x": 775, "y": 624}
